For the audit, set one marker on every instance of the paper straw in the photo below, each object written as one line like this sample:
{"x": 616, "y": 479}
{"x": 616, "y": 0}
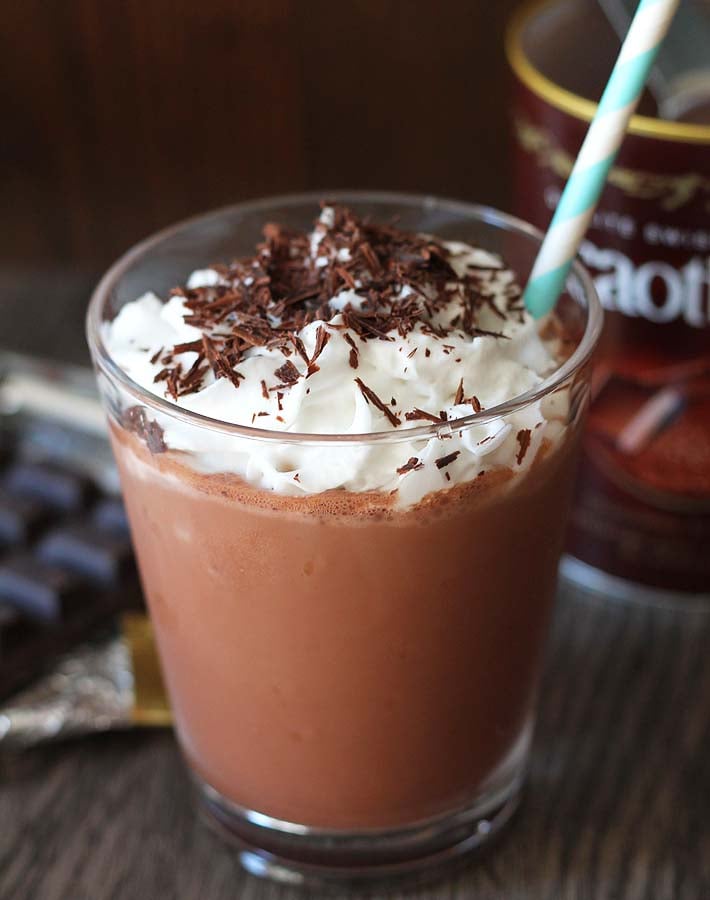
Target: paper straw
{"x": 590, "y": 172}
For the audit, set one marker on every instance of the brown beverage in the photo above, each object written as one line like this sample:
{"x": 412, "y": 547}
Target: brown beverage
{"x": 351, "y": 670}
{"x": 351, "y": 628}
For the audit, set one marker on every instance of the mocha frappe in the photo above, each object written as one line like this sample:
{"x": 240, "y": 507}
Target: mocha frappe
{"x": 350, "y": 562}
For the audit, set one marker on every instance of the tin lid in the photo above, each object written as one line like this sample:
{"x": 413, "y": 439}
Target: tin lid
{"x": 574, "y": 104}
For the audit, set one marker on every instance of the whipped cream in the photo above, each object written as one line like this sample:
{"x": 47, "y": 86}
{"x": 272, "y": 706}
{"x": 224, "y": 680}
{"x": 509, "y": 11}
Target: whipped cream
{"x": 416, "y": 371}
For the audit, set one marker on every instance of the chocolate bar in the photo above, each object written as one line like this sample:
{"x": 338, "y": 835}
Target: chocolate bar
{"x": 100, "y": 685}
{"x": 66, "y": 564}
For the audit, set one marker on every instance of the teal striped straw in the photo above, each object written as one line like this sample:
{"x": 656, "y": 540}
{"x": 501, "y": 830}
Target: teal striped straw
{"x": 598, "y": 152}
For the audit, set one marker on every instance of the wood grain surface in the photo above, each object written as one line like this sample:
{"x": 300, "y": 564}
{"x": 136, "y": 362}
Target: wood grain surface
{"x": 616, "y": 809}
{"x": 120, "y": 118}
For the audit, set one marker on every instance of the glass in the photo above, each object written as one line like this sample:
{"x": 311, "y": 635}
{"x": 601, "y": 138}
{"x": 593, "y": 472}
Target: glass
{"x": 353, "y": 685}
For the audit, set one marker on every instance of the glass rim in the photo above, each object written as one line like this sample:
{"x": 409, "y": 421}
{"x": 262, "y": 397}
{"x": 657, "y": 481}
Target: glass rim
{"x": 105, "y": 363}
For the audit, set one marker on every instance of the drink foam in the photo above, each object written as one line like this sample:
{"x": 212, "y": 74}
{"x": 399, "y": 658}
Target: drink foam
{"x": 332, "y": 371}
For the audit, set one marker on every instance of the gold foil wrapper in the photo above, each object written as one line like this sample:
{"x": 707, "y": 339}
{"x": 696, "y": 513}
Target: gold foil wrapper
{"x": 113, "y": 684}
{"x": 150, "y": 702}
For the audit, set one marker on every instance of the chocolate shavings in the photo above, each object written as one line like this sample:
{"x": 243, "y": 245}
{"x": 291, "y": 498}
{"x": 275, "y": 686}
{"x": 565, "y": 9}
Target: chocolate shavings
{"x": 371, "y": 397}
{"x": 322, "y": 338}
{"x": 458, "y": 398}
{"x": 136, "y": 419}
{"x": 287, "y": 373}
{"x": 523, "y": 438}
{"x": 268, "y": 298}
{"x": 421, "y": 414}
{"x": 411, "y": 465}
{"x": 444, "y": 461}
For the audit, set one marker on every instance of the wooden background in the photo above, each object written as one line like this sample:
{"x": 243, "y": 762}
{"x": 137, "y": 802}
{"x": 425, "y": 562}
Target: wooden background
{"x": 121, "y": 116}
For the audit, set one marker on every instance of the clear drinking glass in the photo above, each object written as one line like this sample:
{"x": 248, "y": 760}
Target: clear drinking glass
{"x": 353, "y": 684}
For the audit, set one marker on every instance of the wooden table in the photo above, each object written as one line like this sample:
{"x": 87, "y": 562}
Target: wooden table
{"x": 617, "y": 805}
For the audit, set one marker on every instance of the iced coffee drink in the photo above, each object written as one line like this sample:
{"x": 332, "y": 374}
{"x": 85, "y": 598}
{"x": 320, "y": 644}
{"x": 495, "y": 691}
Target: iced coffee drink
{"x": 347, "y": 457}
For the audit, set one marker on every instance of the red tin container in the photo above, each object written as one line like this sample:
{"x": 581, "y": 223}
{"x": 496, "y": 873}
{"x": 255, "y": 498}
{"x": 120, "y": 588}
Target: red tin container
{"x": 641, "y": 523}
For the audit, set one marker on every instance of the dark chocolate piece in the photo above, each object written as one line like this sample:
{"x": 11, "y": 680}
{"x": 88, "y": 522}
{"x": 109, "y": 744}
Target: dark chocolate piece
{"x": 110, "y": 515}
{"x": 47, "y": 609}
{"x": 43, "y": 593}
{"x": 59, "y": 488}
{"x": 97, "y": 556}
{"x": 21, "y": 519}
{"x": 14, "y": 628}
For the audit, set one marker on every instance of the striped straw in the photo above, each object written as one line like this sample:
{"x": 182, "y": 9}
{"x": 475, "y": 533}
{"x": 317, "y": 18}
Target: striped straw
{"x": 590, "y": 172}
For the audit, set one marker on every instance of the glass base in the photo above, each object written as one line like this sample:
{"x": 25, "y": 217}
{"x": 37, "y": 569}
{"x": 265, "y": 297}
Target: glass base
{"x": 335, "y": 859}
{"x": 595, "y": 581}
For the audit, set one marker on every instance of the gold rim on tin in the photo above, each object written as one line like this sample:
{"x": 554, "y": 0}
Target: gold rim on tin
{"x": 572, "y": 103}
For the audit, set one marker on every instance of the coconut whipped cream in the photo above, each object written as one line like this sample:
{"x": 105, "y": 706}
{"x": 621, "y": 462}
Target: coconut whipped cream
{"x": 397, "y": 331}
